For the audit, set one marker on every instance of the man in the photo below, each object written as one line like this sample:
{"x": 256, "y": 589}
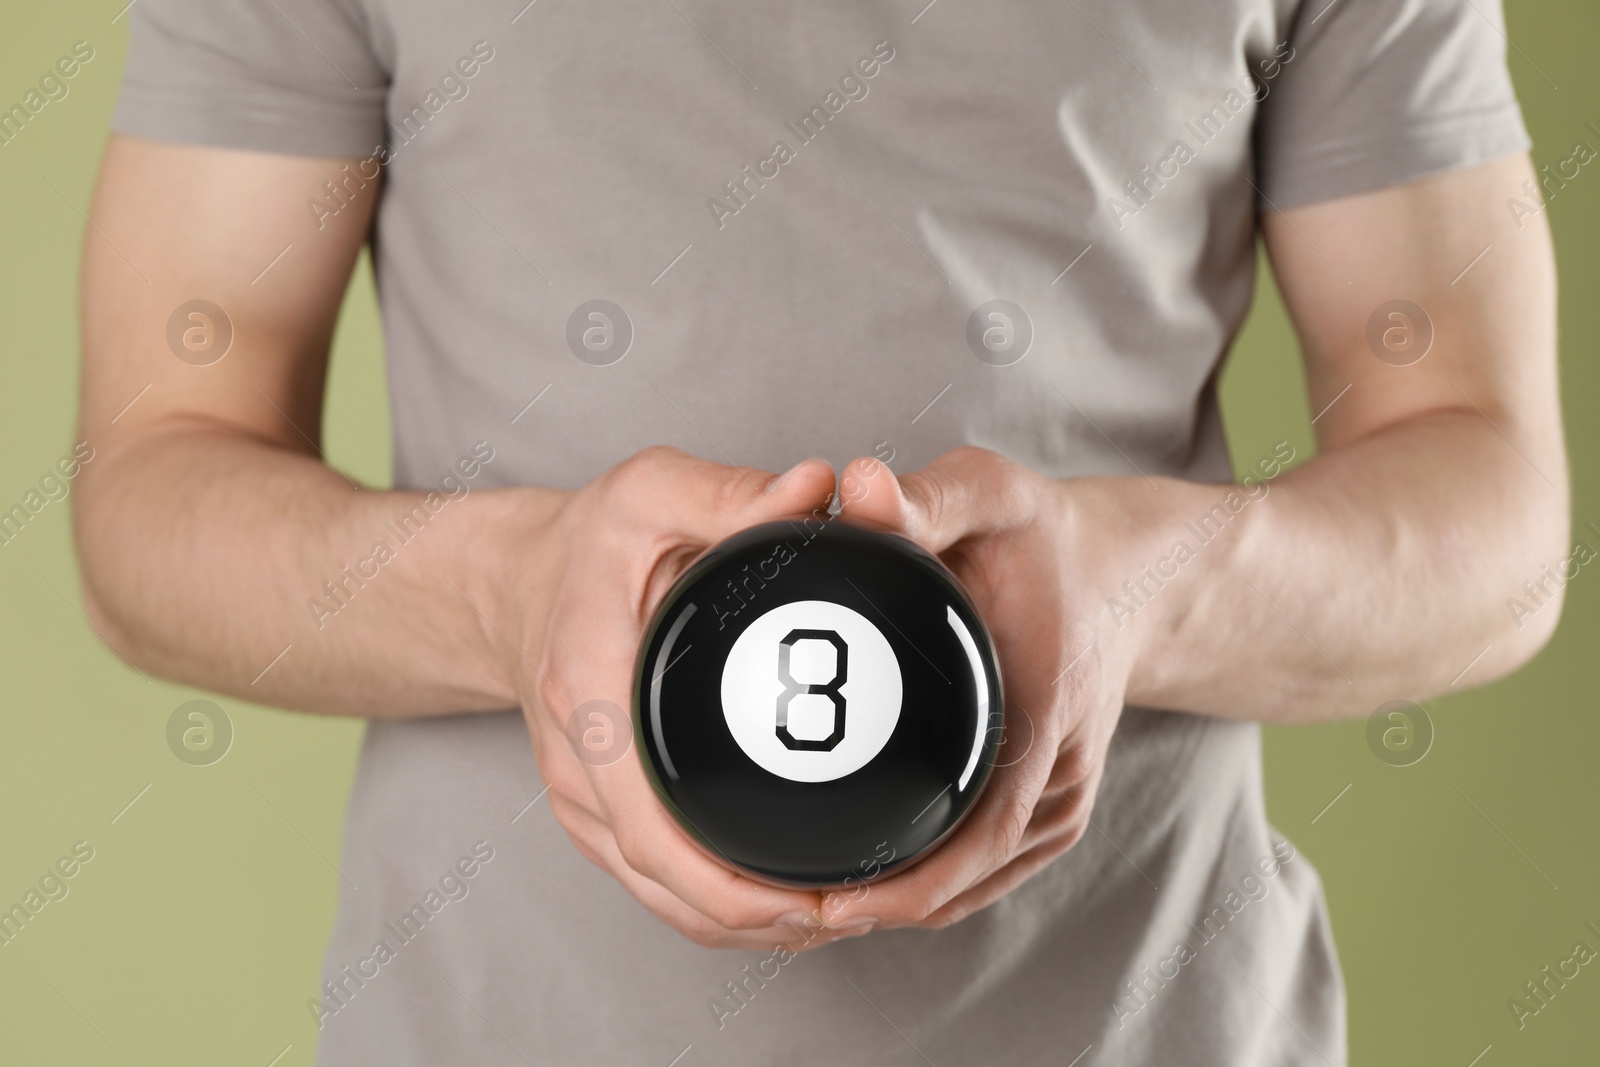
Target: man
{"x": 995, "y": 251}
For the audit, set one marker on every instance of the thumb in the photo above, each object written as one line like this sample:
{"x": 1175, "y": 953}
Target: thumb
{"x": 701, "y": 502}
{"x": 960, "y": 493}
{"x": 804, "y": 489}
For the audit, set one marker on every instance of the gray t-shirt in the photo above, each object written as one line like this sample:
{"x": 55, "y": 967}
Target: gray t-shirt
{"x": 799, "y": 215}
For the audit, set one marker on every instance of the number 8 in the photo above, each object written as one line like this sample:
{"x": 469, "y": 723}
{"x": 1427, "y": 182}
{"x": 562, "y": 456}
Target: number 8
{"x": 793, "y": 688}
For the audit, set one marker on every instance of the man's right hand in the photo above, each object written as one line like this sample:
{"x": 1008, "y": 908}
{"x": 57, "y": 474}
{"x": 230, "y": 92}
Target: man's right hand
{"x": 573, "y": 624}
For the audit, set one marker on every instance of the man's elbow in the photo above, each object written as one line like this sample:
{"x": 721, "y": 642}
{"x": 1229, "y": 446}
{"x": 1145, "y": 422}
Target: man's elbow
{"x": 108, "y": 624}
{"x": 1531, "y": 632}
{"x": 1527, "y": 609}
{"x": 102, "y": 589}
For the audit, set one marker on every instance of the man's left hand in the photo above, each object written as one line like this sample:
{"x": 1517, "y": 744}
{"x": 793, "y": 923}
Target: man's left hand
{"x": 1018, "y": 543}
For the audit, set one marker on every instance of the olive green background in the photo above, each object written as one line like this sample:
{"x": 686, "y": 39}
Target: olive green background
{"x": 195, "y": 934}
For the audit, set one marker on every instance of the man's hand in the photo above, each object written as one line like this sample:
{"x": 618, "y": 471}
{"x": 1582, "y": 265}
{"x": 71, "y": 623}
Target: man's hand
{"x": 1015, "y": 541}
{"x": 600, "y": 568}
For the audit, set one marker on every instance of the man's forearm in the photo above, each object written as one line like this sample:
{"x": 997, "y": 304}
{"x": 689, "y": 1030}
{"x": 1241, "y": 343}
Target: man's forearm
{"x": 1375, "y": 572}
{"x": 244, "y": 568}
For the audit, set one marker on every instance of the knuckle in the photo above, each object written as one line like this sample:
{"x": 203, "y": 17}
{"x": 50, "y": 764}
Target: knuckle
{"x": 643, "y": 468}
{"x": 972, "y": 462}
{"x": 928, "y": 907}
{"x": 728, "y": 488}
{"x": 586, "y": 851}
{"x": 1076, "y": 765}
{"x": 1014, "y": 826}
{"x": 931, "y": 492}
{"x": 972, "y": 455}
{"x": 1067, "y": 826}
{"x": 655, "y": 455}
{"x": 563, "y": 803}
{"x": 631, "y": 844}
{"x": 832, "y": 909}
{"x": 703, "y": 935}
{"x": 547, "y": 696}
{"x": 919, "y": 907}
{"x": 743, "y": 917}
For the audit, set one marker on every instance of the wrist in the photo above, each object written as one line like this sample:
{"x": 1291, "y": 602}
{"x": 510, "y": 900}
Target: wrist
{"x": 1150, "y": 554}
{"x": 507, "y": 569}
{"x": 1109, "y": 538}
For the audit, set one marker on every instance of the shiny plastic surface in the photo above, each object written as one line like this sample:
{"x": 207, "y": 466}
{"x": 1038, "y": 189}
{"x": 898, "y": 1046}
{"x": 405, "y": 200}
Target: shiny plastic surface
{"x": 817, "y": 703}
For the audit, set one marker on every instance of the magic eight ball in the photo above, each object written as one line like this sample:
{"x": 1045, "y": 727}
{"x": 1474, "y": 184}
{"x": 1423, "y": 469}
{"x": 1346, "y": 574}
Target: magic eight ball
{"x": 816, "y": 703}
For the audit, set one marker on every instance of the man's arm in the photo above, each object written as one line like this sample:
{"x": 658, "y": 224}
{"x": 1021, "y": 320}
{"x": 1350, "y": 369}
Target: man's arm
{"x": 1381, "y": 570}
{"x": 1378, "y": 571}
{"x": 207, "y": 520}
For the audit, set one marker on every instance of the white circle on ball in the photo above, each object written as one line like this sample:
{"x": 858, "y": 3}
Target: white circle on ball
{"x": 854, "y": 717}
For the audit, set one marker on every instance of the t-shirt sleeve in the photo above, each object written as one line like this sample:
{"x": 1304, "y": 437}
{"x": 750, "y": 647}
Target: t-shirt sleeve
{"x": 293, "y": 76}
{"x": 1378, "y": 92}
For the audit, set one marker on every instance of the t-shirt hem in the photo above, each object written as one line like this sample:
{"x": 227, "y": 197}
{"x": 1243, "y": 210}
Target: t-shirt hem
{"x": 251, "y": 121}
{"x": 1391, "y": 157}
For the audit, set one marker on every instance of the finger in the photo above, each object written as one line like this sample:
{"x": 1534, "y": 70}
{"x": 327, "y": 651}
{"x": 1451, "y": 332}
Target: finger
{"x": 1049, "y": 836}
{"x": 997, "y": 885}
{"x": 1060, "y": 812}
{"x": 989, "y": 838}
{"x": 670, "y": 492}
{"x": 965, "y": 491}
{"x": 653, "y": 844}
{"x": 650, "y": 841}
{"x": 1060, "y": 820}
{"x": 562, "y": 773}
{"x": 618, "y": 798}
{"x": 1067, "y": 801}
{"x": 1068, "y": 773}
{"x": 593, "y": 839}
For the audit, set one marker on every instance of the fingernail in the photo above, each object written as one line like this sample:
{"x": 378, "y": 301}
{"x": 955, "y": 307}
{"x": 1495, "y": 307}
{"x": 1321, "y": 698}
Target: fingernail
{"x": 778, "y": 482}
{"x": 864, "y": 922}
{"x": 797, "y": 919}
{"x": 854, "y": 931}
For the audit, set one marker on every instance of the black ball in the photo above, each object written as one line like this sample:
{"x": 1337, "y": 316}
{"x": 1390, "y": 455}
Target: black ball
{"x": 817, "y": 703}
